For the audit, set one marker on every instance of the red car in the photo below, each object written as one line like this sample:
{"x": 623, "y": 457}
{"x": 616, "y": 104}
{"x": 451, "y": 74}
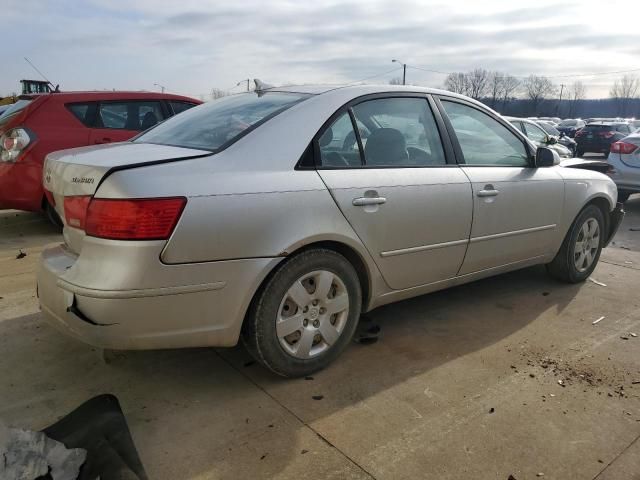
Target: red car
{"x": 37, "y": 125}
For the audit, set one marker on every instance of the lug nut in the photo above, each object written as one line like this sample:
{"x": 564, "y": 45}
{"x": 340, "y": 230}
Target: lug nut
{"x": 305, "y": 322}
{"x": 316, "y": 323}
{"x": 305, "y": 309}
{"x": 315, "y": 302}
{"x": 322, "y": 309}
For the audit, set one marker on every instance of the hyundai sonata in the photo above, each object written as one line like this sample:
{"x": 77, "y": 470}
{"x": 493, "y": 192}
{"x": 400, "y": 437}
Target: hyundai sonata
{"x": 279, "y": 216}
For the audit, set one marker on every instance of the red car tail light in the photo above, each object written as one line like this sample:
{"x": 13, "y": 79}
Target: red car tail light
{"x": 12, "y": 143}
{"x": 75, "y": 210}
{"x": 623, "y": 147}
{"x": 134, "y": 219}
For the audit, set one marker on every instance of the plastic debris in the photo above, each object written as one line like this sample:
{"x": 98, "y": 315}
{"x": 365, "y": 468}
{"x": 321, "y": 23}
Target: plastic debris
{"x": 597, "y": 282}
{"x": 597, "y": 321}
{"x": 20, "y": 255}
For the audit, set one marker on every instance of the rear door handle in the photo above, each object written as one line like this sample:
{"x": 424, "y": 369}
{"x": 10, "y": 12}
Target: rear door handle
{"x": 364, "y": 201}
{"x": 488, "y": 191}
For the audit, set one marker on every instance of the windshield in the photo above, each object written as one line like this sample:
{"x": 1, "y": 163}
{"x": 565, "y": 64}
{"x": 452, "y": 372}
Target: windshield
{"x": 549, "y": 129}
{"x": 13, "y": 109}
{"x": 216, "y": 124}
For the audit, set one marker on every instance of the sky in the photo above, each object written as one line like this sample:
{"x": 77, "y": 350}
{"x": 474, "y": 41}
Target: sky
{"x": 192, "y": 46}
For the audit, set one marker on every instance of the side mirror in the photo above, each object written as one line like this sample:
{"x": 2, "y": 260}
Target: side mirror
{"x": 552, "y": 140}
{"x": 546, "y": 157}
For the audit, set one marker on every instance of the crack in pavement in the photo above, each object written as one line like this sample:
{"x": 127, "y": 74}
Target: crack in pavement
{"x": 615, "y": 458}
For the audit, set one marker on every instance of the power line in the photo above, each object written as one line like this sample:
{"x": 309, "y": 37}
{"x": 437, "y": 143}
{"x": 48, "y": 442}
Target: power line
{"x": 377, "y": 75}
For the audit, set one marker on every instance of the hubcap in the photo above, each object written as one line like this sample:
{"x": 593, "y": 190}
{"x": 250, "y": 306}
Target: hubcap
{"x": 312, "y": 314}
{"x": 587, "y": 245}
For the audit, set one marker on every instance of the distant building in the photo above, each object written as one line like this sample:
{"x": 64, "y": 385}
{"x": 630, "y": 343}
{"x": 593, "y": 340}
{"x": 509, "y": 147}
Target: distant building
{"x": 35, "y": 86}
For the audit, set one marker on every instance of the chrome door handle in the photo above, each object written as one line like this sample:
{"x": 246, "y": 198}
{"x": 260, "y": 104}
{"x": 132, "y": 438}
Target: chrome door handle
{"x": 488, "y": 193}
{"x": 364, "y": 201}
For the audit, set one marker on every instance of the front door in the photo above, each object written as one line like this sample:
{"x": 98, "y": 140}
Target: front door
{"x": 517, "y": 208}
{"x": 384, "y": 164}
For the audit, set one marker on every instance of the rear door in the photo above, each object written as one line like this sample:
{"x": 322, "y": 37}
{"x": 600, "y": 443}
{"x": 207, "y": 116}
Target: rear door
{"x": 117, "y": 121}
{"x": 517, "y": 208}
{"x": 384, "y": 161}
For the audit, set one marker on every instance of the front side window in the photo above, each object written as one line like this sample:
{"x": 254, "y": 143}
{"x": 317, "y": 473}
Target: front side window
{"x": 212, "y": 125}
{"x": 535, "y": 133}
{"x": 129, "y": 115}
{"x": 399, "y": 132}
{"x": 483, "y": 140}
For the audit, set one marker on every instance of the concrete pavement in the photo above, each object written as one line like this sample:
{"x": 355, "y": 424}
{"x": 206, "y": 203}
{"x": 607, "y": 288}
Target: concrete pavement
{"x": 505, "y": 376}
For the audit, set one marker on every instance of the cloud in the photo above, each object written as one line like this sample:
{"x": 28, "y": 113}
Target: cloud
{"x": 192, "y": 46}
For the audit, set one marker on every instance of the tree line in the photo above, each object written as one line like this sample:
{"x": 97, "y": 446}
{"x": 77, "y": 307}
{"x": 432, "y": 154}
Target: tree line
{"x": 537, "y": 95}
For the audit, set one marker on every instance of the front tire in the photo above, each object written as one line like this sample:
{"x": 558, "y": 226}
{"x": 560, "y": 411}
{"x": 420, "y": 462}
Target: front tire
{"x": 305, "y": 314}
{"x": 581, "y": 248}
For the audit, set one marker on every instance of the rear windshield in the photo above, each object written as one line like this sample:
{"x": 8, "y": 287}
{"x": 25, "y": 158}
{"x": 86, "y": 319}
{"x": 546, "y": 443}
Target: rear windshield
{"x": 216, "y": 124}
{"x": 13, "y": 109}
{"x": 549, "y": 129}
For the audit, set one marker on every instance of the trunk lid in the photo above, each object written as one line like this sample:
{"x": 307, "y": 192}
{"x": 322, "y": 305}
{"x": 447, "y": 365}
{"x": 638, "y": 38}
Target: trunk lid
{"x": 78, "y": 172}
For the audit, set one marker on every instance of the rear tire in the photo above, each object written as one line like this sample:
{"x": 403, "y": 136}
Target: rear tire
{"x": 581, "y": 248}
{"x": 52, "y": 215}
{"x": 305, "y": 314}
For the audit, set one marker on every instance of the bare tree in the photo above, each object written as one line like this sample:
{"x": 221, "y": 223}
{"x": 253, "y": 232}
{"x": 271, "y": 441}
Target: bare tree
{"x": 457, "y": 83}
{"x": 537, "y": 89}
{"x": 623, "y": 91}
{"x": 478, "y": 81}
{"x": 510, "y": 86}
{"x": 217, "y": 93}
{"x": 576, "y": 92}
{"x": 496, "y": 87}
{"x": 396, "y": 81}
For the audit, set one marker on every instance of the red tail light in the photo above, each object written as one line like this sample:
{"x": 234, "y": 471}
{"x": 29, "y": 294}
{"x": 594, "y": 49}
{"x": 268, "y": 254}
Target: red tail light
{"x": 623, "y": 147}
{"x": 135, "y": 219}
{"x": 75, "y": 210}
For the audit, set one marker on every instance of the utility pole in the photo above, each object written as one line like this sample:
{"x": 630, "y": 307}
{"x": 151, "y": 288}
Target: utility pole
{"x": 162, "y": 87}
{"x": 560, "y": 102}
{"x": 404, "y": 71}
{"x": 248, "y": 80}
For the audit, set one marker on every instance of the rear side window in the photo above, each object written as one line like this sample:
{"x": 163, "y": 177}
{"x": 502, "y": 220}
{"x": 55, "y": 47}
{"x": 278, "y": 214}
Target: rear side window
{"x": 339, "y": 145}
{"x": 215, "y": 124}
{"x": 400, "y": 132}
{"x": 131, "y": 115}
{"x": 483, "y": 140}
{"x": 82, "y": 111}
{"x": 179, "y": 107}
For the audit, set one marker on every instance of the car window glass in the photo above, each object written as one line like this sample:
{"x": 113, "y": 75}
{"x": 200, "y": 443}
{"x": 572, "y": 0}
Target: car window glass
{"x": 483, "y": 140}
{"x": 129, "y": 115}
{"x": 535, "y": 133}
{"x": 216, "y": 124}
{"x": 338, "y": 144}
{"x": 179, "y": 107}
{"x": 81, "y": 112}
{"x": 400, "y": 132}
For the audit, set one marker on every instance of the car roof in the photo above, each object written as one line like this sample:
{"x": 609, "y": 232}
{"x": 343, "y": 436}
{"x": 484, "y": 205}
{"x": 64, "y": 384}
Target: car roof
{"x": 607, "y": 124}
{"x": 109, "y": 95}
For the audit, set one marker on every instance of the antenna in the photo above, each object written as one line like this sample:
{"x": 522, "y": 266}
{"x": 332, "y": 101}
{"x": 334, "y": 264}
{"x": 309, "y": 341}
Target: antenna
{"x": 56, "y": 88}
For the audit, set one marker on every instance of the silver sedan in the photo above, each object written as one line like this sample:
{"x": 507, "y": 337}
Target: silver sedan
{"x": 279, "y": 216}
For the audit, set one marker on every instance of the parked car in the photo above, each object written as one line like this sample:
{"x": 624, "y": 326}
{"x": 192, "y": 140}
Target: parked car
{"x": 534, "y": 132}
{"x": 39, "y": 124}
{"x": 553, "y": 120}
{"x": 563, "y": 139}
{"x": 597, "y": 137}
{"x": 4, "y": 108}
{"x": 268, "y": 216}
{"x": 624, "y": 161}
{"x": 570, "y": 126}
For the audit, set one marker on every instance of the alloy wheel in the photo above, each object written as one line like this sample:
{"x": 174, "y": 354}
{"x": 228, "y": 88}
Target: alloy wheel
{"x": 587, "y": 244}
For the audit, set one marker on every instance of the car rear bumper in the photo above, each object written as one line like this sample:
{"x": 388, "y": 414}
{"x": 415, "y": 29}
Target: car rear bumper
{"x": 176, "y": 315}
{"x": 615, "y": 219}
